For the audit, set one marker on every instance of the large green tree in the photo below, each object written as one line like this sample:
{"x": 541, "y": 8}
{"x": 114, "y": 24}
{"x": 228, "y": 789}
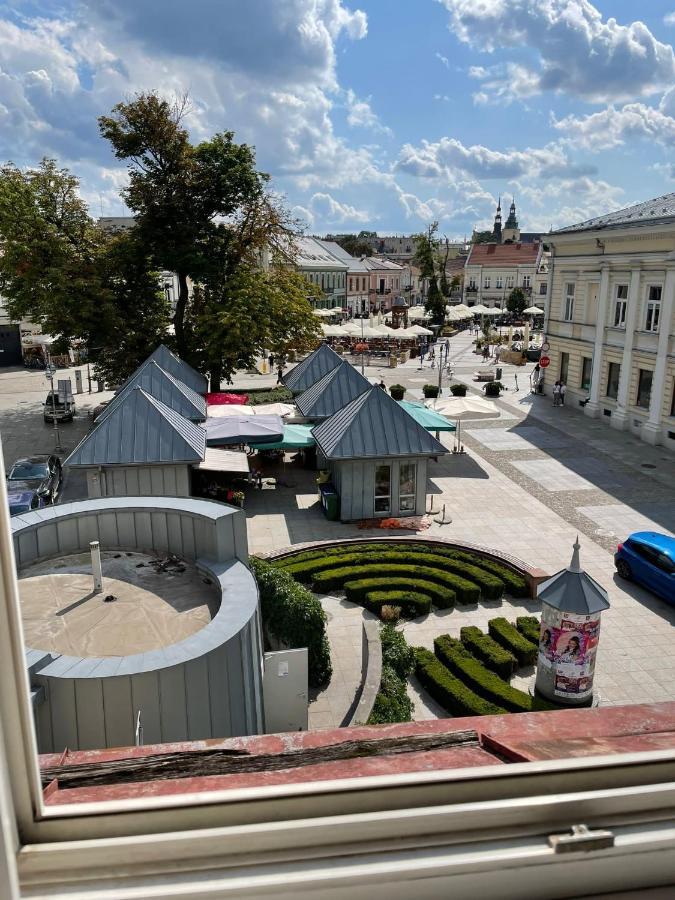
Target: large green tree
{"x": 425, "y": 248}
{"x": 79, "y": 282}
{"x": 516, "y": 302}
{"x": 181, "y": 194}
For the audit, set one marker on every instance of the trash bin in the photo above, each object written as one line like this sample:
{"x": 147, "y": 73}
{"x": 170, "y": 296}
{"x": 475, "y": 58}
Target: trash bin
{"x": 330, "y": 501}
{"x": 498, "y": 373}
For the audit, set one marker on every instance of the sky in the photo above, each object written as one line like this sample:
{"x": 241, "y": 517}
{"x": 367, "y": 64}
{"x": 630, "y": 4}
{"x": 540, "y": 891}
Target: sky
{"x": 369, "y": 114}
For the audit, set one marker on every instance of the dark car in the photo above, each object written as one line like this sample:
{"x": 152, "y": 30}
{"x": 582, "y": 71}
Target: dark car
{"x": 22, "y": 501}
{"x": 41, "y": 474}
{"x": 56, "y": 408}
{"x": 649, "y": 558}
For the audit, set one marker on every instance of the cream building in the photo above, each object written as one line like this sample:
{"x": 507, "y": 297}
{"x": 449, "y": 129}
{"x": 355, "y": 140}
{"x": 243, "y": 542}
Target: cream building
{"x": 610, "y": 318}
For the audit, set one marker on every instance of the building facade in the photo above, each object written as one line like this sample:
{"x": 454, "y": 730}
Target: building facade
{"x": 493, "y": 270}
{"x": 320, "y": 263}
{"x": 610, "y": 318}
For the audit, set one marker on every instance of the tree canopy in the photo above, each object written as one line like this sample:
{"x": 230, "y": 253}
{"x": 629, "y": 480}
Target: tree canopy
{"x": 425, "y": 246}
{"x": 516, "y": 302}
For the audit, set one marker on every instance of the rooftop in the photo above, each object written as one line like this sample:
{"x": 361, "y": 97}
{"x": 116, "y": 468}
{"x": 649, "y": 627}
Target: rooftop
{"x": 155, "y": 605}
{"x": 659, "y": 211}
{"x": 315, "y": 254}
{"x": 504, "y": 254}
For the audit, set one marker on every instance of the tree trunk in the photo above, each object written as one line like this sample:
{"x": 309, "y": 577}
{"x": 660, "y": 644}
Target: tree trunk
{"x": 179, "y": 315}
{"x": 215, "y": 377}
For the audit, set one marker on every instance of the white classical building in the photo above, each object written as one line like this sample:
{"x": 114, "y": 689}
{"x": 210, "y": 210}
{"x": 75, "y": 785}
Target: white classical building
{"x": 320, "y": 262}
{"x": 610, "y": 319}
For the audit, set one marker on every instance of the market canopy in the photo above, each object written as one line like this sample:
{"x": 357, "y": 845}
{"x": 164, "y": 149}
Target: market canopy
{"x": 224, "y": 461}
{"x": 243, "y": 430}
{"x": 295, "y": 437}
{"x": 325, "y": 312}
{"x": 427, "y": 418}
{"x": 221, "y": 410}
{"x": 533, "y": 311}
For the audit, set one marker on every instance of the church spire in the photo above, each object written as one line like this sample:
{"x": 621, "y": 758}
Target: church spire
{"x": 497, "y": 229}
{"x": 512, "y": 221}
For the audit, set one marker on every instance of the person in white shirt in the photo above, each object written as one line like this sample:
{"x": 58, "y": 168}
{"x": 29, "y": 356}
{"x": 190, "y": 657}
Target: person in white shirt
{"x": 563, "y": 391}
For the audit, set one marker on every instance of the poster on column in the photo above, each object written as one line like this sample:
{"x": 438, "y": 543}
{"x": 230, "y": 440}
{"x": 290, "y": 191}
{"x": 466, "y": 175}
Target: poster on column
{"x": 574, "y": 643}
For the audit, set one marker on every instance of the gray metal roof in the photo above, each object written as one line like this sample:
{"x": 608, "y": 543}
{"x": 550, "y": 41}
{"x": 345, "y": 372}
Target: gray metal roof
{"x": 336, "y": 389}
{"x": 311, "y": 369}
{"x": 162, "y": 386}
{"x": 659, "y": 211}
{"x": 374, "y": 425}
{"x": 140, "y": 431}
{"x": 178, "y": 368}
{"x": 573, "y": 591}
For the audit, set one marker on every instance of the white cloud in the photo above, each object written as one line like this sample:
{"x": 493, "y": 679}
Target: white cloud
{"x": 504, "y": 83}
{"x": 325, "y": 208}
{"x": 612, "y": 127}
{"x": 578, "y": 52}
{"x": 669, "y": 19}
{"x": 441, "y": 159}
{"x": 443, "y": 59}
{"x": 361, "y": 115}
{"x": 443, "y": 97}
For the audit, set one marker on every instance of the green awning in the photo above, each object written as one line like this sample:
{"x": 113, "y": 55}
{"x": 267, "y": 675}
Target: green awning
{"x": 296, "y": 437}
{"x": 427, "y": 418}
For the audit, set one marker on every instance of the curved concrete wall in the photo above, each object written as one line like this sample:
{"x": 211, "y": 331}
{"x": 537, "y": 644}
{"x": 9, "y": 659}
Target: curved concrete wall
{"x": 207, "y": 686}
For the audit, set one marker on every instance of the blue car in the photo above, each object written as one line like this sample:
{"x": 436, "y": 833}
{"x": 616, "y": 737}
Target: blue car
{"x": 649, "y": 558}
{"x": 24, "y": 501}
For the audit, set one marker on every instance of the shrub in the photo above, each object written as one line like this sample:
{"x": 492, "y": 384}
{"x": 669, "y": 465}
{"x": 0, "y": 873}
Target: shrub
{"x": 453, "y": 654}
{"x": 516, "y": 584}
{"x": 458, "y": 390}
{"x": 390, "y": 613}
{"x": 392, "y": 703}
{"x": 293, "y": 615}
{"x": 493, "y": 388}
{"x": 397, "y": 391}
{"x": 509, "y": 637}
{"x": 430, "y": 391}
{"x": 371, "y": 593}
{"x": 396, "y": 652}
{"x": 465, "y": 591}
{"x": 489, "y": 652}
{"x": 268, "y": 395}
{"x": 529, "y": 627}
{"x": 452, "y": 694}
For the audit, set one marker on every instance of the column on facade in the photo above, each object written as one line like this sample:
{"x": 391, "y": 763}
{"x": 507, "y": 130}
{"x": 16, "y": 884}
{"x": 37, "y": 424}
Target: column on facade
{"x": 651, "y": 430}
{"x": 592, "y": 408}
{"x": 620, "y": 414}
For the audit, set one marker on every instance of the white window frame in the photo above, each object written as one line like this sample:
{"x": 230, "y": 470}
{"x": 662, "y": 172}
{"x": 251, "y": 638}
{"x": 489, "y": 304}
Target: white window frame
{"x": 620, "y": 306}
{"x": 527, "y": 281}
{"x": 486, "y": 282}
{"x": 568, "y": 301}
{"x": 499, "y": 281}
{"x": 653, "y": 309}
{"x": 387, "y": 497}
{"x": 454, "y": 828}
{"x": 509, "y": 281}
{"x": 407, "y": 497}
{"x": 472, "y": 282}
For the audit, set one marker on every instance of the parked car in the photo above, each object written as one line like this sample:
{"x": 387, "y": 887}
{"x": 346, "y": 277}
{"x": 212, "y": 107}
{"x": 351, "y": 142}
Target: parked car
{"x": 649, "y": 558}
{"x": 42, "y": 474}
{"x": 21, "y": 501}
{"x": 54, "y": 408}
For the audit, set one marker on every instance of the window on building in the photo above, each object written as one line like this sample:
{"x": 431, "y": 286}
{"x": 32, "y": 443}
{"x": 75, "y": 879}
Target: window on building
{"x": 351, "y": 284}
{"x": 382, "y": 489}
{"x": 613, "y": 373}
{"x": 568, "y": 310}
{"x": 472, "y": 283}
{"x": 586, "y": 369}
{"x": 407, "y": 486}
{"x": 499, "y": 281}
{"x": 542, "y": 288}
{"x": 644, "y": 390}
{"x": 509, "y": 281}
{"x": 486, "y": 281}
{"x": 672, "y": 401}
{"x": 653, "y": 308}
{"x": 527, "y": 281}
{"x": 564, "y": 366}
{"x": 620, "y": 305}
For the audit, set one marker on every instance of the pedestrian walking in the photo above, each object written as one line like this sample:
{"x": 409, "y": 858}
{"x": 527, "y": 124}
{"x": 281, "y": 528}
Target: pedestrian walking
{"x": 280, "y": 375}
{"x": 382, "y": 384}
{"x": 486, "y": 351}
{"x": 497, "y": 353}
{"x": 534, "y": 379}
{"x": 270, "y": 360}
{"x": 563, "y": 391}
{"x": 556, "y": 394}
{"x": 447, "y": 348}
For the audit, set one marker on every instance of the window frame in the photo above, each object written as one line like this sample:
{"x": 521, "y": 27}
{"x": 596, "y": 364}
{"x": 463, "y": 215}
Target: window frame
{"x": 639, "y": 388}
{"x": 614, "y": 396}
{"x": 585, "y": 383}
{"x": 527, "y": 281}
{"x": 652, "y": 317}
{"x": 486, "y": 282}
{"x": 499, "y": 282}
{"x": 376, "y": 496}
{"x": 327, "y": 833}
{"x": 568, "y": 301}
{"x": 412, "y": 496}
{"x": 620, "y": 306}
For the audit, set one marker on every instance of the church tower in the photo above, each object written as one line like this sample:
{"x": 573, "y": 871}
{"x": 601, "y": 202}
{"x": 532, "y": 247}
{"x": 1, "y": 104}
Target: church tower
{"x": 497, "y": 229}
{"x": 511, "y": 230}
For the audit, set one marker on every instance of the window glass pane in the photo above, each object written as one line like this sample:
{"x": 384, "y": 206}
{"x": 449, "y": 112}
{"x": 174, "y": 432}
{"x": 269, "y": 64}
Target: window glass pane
{"x": 382, "y": 488}
{"x": 622, "y": 292}
{"x": 613, "y": 380}
{"x": 586, "y": 368}
{"x": 644, "y": 388}
{"x": 406, "y": 489}
{"x": 564, "y": 366}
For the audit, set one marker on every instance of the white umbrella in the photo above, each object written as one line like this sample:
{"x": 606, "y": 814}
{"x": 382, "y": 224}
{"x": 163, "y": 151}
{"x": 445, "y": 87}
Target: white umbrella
{"x": 417, "y": 312}
{"x": 350, "y": 328}
{"x": 461, "y": 307}
{"x": 332, "y": 331}
{"x": 452, "y": 315}
{"x": 533, "y": 311}
{"x": 460, "y": 408}
{"x": 220, "y": 410}
{"x": 479, "y": 310}
{"x": 324, "y": 312}
{"x": 493, "y": 311}
{"x": 417, "y": 329}
{"x": 274, "y": 409}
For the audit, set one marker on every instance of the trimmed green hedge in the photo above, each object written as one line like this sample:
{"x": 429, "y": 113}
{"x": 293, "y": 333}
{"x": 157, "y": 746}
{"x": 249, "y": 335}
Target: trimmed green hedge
{"x": 392, "y": 703}
{"x": 446, "y": 689}
{"x": 453, "y": 654}
{"x": 330, "y": 579}
{"x": 488, "y": 651}
{"x": 257, "y": 396}
{"x": 411, "y": 603}
{"x": 294, "y": 616}
{"x": 515, "y": 583}
{"x": 396, "y": 652}
{"x": 509, "y": 637}
{"x": 529, "y": 627}
{"x": 491, "y": 587}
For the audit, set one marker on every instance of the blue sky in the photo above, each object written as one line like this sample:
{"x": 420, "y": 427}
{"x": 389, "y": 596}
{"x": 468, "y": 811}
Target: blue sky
{"x": 379, "y": 114}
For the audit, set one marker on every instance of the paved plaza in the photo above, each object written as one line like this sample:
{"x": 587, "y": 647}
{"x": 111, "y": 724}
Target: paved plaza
{"x": 530, "y": 481}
